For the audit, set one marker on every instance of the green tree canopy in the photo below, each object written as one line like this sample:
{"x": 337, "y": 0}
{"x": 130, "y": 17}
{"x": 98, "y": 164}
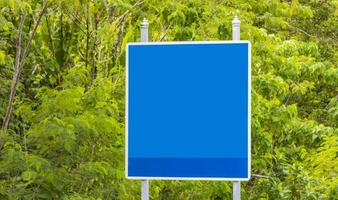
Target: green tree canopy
{"x": 62, "y": 78}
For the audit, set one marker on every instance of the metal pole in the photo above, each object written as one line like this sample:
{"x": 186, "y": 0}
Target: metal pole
{"x": 236, "y": 190}
{"x": 144, "y": 30}
{"x": 236, "y": 35}
{"x": 145, "y": 190}
{"x": 236, "y": 29}
{"x": 144, "y": 38}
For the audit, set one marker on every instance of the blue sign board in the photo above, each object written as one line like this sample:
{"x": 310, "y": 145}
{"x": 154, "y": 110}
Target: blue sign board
{"x": 188, "y": 110}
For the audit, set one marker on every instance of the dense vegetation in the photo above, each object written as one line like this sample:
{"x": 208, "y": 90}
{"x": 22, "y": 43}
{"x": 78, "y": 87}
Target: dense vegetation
{"x": 62, "y": 73}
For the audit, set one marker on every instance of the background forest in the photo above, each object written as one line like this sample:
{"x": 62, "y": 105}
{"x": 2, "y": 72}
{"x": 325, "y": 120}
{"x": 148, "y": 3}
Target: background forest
{"x": 62, "y": 76}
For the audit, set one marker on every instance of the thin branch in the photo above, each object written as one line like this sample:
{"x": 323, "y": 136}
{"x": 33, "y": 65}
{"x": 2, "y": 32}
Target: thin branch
{"x": 259, "y": 176}
{"x": 15, "y": 75}
{"x": 111, "y": 14}
{"x": 301, "y": 30}
{"x": 325, "y": 39}
{"x": 1, "y": 143}
{"x": 328, "y": 104}
{"x": 119, "y": 23}
{"x": 87, "y": 32}
{"x": 120, "y": 19}
{"x": 94, "y": 55}
{"x": 50, "y": 36}
{"x": 165, "y": 31}
{"x": 36, "y": 24}
{"x": 288, "y": 100}
{"x": 2, "y": 76}
{"x": 19, "y": 62}
{"x": 118, "y": 43}
{"x": 75, "y": 16}
{"x": 75, "y": 19}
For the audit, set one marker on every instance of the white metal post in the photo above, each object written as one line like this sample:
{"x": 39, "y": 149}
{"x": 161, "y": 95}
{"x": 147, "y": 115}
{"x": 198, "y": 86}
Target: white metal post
{"x": 144, "y": 30}
{"x": 236, "y": 190}
{"x": 144, "y": 38}
{"x": 236, "y": 29}
{"x": 236, "y": 35}
{"x": 145, "y": 190}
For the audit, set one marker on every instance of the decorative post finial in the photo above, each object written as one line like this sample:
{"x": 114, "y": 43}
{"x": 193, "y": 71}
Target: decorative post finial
{"x": 144, "y": 23}
{"x": 236, "y": 29}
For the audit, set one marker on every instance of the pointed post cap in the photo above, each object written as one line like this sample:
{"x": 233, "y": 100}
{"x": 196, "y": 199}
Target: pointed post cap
{"x": 144, "y": 23}
{"x": 236, "y": 20}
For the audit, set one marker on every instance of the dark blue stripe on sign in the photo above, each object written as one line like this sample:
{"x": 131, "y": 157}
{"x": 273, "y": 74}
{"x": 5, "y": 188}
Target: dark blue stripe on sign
{"x": 188, "y": 167}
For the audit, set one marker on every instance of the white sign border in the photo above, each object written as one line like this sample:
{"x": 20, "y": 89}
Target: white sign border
{"x": 127, "y": 105}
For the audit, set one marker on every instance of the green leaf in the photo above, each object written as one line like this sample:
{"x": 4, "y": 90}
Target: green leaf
{"x": 28, "y": 175}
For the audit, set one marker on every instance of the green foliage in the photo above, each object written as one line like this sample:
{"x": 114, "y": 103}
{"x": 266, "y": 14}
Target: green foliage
{"x": 66, "y": 136}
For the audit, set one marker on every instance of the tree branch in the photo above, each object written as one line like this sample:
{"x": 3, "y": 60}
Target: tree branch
{"x": 15, "y": 75}
{"x": 118, "y": 43}
{"x": 165, "y": 31}
{"x": 50, "y": 36}
{"x": 120, "y": 19}
{"x": 87, "y": 32}
{"x": 75, "y": 19}
{"x": 19, "y": 62}
{"x": 259, "y": 176}
{"x": 301, "y": 30}
{"x": 36, "y": 25}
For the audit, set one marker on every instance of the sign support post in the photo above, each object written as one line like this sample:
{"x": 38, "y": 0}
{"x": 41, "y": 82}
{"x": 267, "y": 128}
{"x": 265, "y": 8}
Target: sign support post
{"x": 144, "y": 38}
{"x": 236, "y": 38}
{"x": 145, "y": 189}
{"x": 236, "y": 190}
{"x": 236, "y": 35}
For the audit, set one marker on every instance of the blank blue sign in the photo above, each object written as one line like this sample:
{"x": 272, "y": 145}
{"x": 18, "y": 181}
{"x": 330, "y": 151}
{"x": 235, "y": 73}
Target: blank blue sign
{"x": 188, "y": 110}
